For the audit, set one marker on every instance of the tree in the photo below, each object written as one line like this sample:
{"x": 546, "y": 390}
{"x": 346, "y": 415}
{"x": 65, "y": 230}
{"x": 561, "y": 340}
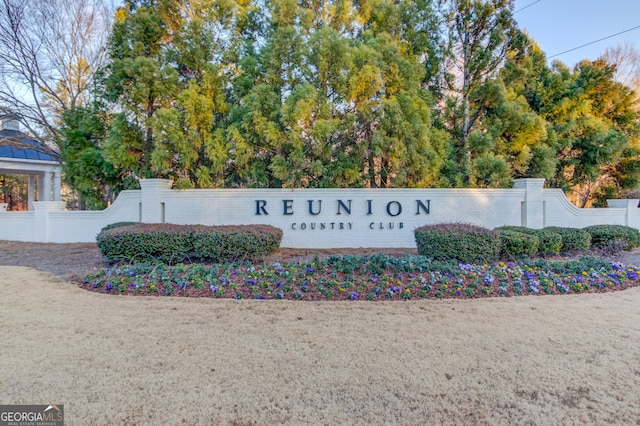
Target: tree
{"x": 478, "y": 34}
{"x": 338, "y": 98}
{"x": 626, "y": 59}
{"x": 595, "y": 128}
{"x": 167, "y": 78}
{"x": 95, "y": 179}
{"x": 50, "y": 52}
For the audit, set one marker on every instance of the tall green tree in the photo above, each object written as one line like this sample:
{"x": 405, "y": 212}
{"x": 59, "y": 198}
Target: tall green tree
{"x": 478, "y": 35}
{"x": 338, "y": 98}
{"x": 85, "y": 169}
{"x": 591, "y": 122}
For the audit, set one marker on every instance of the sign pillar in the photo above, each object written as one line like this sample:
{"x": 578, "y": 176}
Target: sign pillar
{"x": 532, "y": 208}
{"x": 632, "y": 215}
{"x": 41, "y": 228}
{"x": 152, "y": 206}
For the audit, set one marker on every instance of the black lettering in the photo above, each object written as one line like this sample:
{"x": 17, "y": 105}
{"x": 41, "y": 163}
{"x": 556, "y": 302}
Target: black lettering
{"x": 313, "y": 225}
{"x": 260, "y": 207}
{"x": 287, "y": 206}
{"x": 401, "y": 225}
{"x": 322, "y": 226}
{"x": 371, "y": 225}
{"x": 369, "y": 207}
{"x": 303, "y": 226}
{"x": 311, "y": 212}
{"x": 341, "y": 225}
{"x": 343, "y": 205}
{"x": 391, "y": 225}
{"x": 421, "y": 206}
{"x": 332, "y": 224}
{"x": 398, "y": 208}
{"x": 381, "y": 225}
{"x": 293, "y": 225}
{"x": 350, "y": 225}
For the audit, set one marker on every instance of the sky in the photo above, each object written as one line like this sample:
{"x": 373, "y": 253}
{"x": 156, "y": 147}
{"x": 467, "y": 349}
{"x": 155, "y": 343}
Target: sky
{"x": 561, "y": 25}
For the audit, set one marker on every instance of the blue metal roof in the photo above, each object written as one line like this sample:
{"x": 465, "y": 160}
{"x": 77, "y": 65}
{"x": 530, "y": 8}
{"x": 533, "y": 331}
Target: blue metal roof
{"x": 38, "y": 153}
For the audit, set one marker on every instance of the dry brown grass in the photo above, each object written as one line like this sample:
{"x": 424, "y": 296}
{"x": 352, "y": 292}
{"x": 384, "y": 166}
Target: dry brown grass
{"x": 147, "y": 361}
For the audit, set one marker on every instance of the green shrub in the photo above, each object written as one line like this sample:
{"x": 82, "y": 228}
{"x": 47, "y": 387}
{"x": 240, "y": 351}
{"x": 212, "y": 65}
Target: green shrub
{"x": 613, "y": 238}
{"x": 518, "y": 244}
{"x": 236, "y": 242}
{"x": 550, "y": 242}
{"x": 462, "y": 242}
{"x": 171, "y": 243}
{"x": 572, "y": 238}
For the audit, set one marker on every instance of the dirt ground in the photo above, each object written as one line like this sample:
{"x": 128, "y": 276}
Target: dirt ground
{"x": 147, "y": 360}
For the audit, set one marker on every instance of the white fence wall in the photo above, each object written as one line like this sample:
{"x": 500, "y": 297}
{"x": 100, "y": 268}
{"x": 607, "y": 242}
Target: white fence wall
{"x": 17, "y": 226}
{"x": 326, "y": 218}
{"x": 320, "y": 218}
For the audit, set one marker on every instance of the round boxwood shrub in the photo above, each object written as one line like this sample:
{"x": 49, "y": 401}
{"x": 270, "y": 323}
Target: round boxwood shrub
{"x": 572, "y": 238}
{"x": 171, "y": 243}
{"x": 518, "y": 244}
{"x": 459, "y": 241}
{"x": 613, "y": 238}
{"x": 550, "y": 242}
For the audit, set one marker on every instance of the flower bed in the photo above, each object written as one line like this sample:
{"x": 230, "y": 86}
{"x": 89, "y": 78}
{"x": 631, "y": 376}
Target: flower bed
{"x": 376, "y": 277}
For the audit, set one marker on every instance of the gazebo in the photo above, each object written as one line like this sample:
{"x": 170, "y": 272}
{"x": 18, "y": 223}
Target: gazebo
{"x": 23, "y": 155}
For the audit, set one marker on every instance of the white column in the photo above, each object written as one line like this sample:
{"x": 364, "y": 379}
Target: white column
{"x": 46, "y": 187}
{"x": 42, "y": 226}
{"x": 533, "y": 205}
{"x": 31, "y": 192}
{"x": 57, "y": 185}
{"x": 152, "y": 208}
{"x": 632, "y": 214}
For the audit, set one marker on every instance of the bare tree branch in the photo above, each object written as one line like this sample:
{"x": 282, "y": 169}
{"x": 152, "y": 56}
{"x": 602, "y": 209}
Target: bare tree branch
{"x": 51, "y": 50}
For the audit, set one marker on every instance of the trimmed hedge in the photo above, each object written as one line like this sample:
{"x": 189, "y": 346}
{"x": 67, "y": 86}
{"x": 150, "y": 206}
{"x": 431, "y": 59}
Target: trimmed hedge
{"x": 171, "y": 243}
{"x": 550, "y": 242}
{"x": 572, "y": 238}
{"x": 613, "y": 238}
{"x": 459, "y": 241}
{"x": 518, "y": 244}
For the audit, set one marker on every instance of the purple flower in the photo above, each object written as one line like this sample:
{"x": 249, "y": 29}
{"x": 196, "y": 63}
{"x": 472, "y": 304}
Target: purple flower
{"x": 633, "y": 275}
{"x": 182, "y": 285}
{"x": 354, "y": 295}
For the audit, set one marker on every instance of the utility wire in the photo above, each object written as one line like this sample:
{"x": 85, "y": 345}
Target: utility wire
{"x": 593, "y": 42}
{"x": 529, "y": 5}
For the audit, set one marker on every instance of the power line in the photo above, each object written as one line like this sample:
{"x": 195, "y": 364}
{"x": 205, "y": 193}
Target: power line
{"x": 524, "y": 7}
{"x": 593, "y": 42}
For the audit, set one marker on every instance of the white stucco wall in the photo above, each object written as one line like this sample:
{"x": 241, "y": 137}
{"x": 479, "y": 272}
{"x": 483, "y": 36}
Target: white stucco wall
{"x": 320, "y": 218}
{"x": 368, "y": 224}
